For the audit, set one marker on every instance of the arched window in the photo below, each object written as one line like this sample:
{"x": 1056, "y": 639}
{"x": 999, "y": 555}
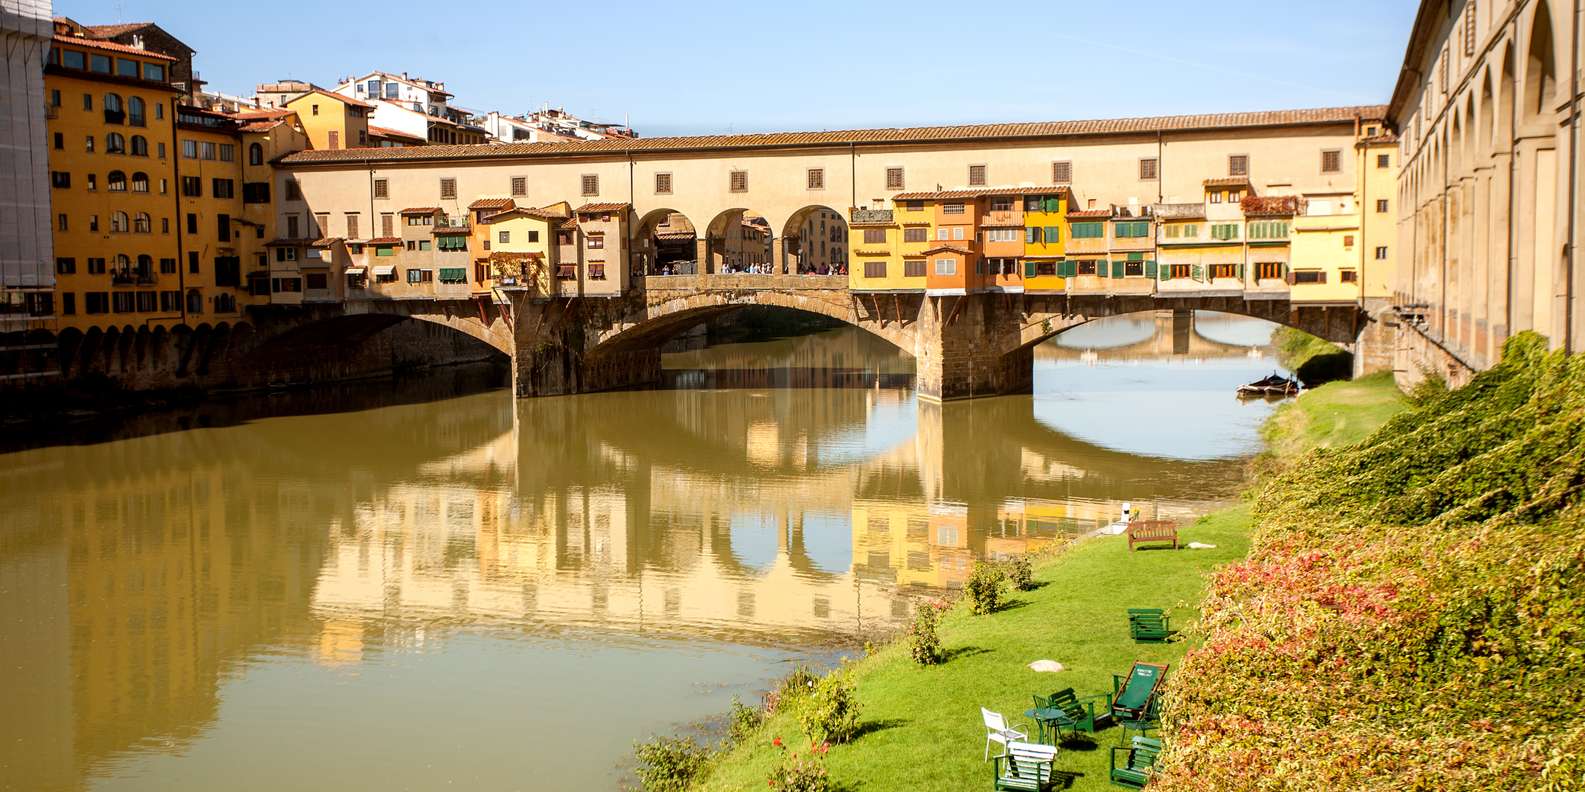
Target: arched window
{"x": 118, "y": 222}
{"x": 115, "y": 143}
{"x": 140, "y": 146}
{"x": 140, "y": 182}
{"x": 122, "y": 263}
{"x": 116, "y": 181}
{"x": 145, "y": 265}
{"x": 195, "y": 302}
{"x": 255, "y": 154}
{"x": 114, "y": 113}
{"x": 142, "y": 224}
{"x": 135, "y": 112}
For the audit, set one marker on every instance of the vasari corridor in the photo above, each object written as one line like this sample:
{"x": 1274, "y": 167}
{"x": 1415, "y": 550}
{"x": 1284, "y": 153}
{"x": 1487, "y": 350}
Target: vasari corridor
{"x": 841, "y": 398}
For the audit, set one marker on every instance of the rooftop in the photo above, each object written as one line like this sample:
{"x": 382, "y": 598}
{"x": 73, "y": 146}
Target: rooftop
{"x": 937, "y": 134}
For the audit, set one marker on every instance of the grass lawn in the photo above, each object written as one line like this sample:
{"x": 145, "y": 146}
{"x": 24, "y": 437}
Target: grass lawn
{"x": 1335, "y": 414}
{"x": 920, "y": 727}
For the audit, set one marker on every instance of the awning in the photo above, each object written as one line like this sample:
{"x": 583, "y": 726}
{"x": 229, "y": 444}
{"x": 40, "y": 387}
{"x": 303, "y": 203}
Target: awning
{"x": 358, "y": 272}
{"x": 385, "y": 270}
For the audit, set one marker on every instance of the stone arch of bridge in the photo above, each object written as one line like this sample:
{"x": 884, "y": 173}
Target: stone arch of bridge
{"x": 347, "y": 324}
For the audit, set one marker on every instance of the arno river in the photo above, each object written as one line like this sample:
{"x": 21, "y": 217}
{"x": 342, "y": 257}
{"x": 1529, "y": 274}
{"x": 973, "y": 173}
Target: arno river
{"x": 386, "y": 586}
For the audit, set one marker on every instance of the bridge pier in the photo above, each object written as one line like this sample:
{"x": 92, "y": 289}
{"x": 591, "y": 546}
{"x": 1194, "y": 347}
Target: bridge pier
{"x": 554, "y": 356}
{"x": 960, "y": 348}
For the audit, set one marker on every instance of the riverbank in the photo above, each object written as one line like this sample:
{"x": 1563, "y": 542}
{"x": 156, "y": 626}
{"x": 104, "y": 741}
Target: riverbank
{"x": 919, "y": 726}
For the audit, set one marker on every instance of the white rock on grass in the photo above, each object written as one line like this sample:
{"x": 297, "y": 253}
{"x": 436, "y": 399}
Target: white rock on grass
{"x": 1046, "y": 666}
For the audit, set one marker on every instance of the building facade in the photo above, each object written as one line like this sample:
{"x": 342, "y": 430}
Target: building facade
{"x": 1486, "y": 119}
{"x": 27, "y": 275}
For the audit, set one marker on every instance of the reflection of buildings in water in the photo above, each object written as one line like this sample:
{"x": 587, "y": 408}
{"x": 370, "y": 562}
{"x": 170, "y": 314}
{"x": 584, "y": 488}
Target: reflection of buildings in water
{"x": 1153, "y": 336}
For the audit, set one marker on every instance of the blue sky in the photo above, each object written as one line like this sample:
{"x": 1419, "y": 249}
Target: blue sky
{"x": 688, "y": 68}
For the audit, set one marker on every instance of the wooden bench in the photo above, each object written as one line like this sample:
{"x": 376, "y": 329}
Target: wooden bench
{"x": 1029, "y": 767}
{"x": 1152, "y": 531}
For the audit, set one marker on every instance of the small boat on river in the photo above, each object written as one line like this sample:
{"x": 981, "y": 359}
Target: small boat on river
{"x": 1274, "y": 385}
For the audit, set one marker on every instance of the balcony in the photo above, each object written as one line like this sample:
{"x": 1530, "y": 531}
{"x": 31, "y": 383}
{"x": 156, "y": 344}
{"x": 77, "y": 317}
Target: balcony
{"x": 871, "y": 216}
{"x": 131, "y": 278}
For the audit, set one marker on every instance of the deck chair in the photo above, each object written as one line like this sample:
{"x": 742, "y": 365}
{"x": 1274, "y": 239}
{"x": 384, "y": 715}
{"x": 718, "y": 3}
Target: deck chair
{"x": 1132, "y": 694}
{"x": 1148, "y": 625}
{"x": 997, "y": 731}
{"x": 1133, "y": 764}
{"x": 1149, "y": 719}
{"x": 1027, "y": 767}
{"x": 1082, "y": 711}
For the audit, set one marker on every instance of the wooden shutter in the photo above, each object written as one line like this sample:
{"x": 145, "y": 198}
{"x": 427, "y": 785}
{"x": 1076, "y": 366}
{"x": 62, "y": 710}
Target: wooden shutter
{"x": 1150, "y": 270}
{"x": 1197, "y": 272}
{"x": 1062, "y": 172}
{"x": 739, "y": 181}
{"x": 817, "y": 179}
{"x": 381, "y": 188}
{"x": 663, "y": 183}
{"x": 1240, "y": 271}
{"x": 976, "y": 175}
{"x": 335, "y": 139}
{"x": 519, "y": 185}
{"x": 590, "y": 184}
{"x": 1100, "y": 269}
{"x": 894, "y": 178}
{"x": 448, "y": 189}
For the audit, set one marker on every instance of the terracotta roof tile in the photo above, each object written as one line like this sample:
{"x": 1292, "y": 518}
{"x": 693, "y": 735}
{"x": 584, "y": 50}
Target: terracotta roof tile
{"x": 1105, "y": 214}
{"x": 938, "y": 134}
{"x": 111, "y": 31}
{"x": 347, "y": 99}
{"x": 326, "y": 242}
{"x": 111, "y": 46}
{"x": 491, "y": 203}
{"x": 386, "y": 132}
{"x": 982, "y": 192}
{"x": 442, "y": 230}
{"x": 1228, "y": 181}
{"x": 1270, "y": 206}
{"x": 421, "y": 210}
{"x": 948, "y": 249}
{"x": 601, "y": 207}
{"x": 386, "y": 241}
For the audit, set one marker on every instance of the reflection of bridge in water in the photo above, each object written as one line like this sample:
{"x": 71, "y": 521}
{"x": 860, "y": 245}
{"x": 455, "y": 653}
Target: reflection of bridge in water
{"x": 1153, "y": 336}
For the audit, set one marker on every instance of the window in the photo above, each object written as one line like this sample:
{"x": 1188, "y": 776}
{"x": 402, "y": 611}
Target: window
{"x": 115, "y": 143}
{"x": 142, "y": 224}
{"x": 663, "y": 184}
{"x": 99, "y": 63}
{"x": 1001, "y": 235}
{"x": 946, "y": 266}
{"x": 423, "y": 244}
{"x": 255, "y": 154}
{"x": 815, "y": 178}
{"x": 159, "y": 149}
{"x": 96, "y": 302}
{"x": 533, "y": 235}
{"x": 952, "y": 208}
{"x": 292, "y": 231}
{"x": 313, "y": 110}
{"x": 503, "y": 237}
{"x": 590, "y": 184}
{"x": 1224, "y": 271}
{"x": 913, "y": 268}
{"x": 1381, "y": 205}
{"x": 738, "y": 181}
{"x": 126, "y": 68}
{"x": 73, "y": 59}
{"x": 1381, "y": 253}
{"x": 1331, "y": 161}
{"x": 168, "y": 266}
{"x": 93, "y": 222}
{"x": 595, "y": 242}
{"x": 223, "y": 188}
{"x": 96, "y": 266}
{"x": 519, "y": 186}
{"x": 65, "y": 266}
{"x": 116, "y": 181}
{"x": 154, "y": 72}
{"x": 60, "y": 141}
{"x": 381, "y": 189}
{"x": 1148, "y": 169}
{"x": 894, "y": 178}
{"x": 352, "y": 225}
{"x": 415, "y": 276}
{"x": 1001, "y": 204}
{"x": 190, "y": 149}
{"x": 60, "y": 222}
{"x": 1309, "y": 276}
{"x": 192, "y": 187}
{"x": 453, "y": 275}
{"x": 115, "y": 112}
{"x": 208, "y": 150}
{"x": 256, "y": 192}
{"x": 1348, "y": 276}
{"x": 875, "y": 269}
{"x": 1216, "y": 197}
{"x": 387, "y": 224}
{"x": 68, "y": 303}
{"x": 1224, "y": 231}
{"x": 228, "y": 152}
{"x": 60, "y": 180}
{"x": 916, "y": 234}
{"x": 1348, "y": 241}
{"x": 284, "y": 254}
{"x": 874, "y": 236}
{"x": 1383, "y": 160}
{"x": 1062, "y": 172}
{"x": 1269, "y": 270}
{"x": 1088, "y": 230}
{"x": 140, "y": 146}
{"x": 1131, "y": 230}
{"x": 294, "y": 191}
{"x": 976, "y": 175}
{"x": 448, "y": 189}
{"x": 123, "y": 302}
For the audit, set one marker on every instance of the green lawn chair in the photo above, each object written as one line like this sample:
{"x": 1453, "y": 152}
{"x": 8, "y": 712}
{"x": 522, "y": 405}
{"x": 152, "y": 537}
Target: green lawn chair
{"x": 1148, "y": 625}
{"x": 1026, "y": 767}
{"x": 1148, "y": 720}
{"x": 1136, "y": 764}
{"x": 1132, "y": 695}
{"x": 1083, "y": 712}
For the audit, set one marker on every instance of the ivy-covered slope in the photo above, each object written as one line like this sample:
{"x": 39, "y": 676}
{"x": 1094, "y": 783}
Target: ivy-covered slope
{"x": 1412, "y": 611}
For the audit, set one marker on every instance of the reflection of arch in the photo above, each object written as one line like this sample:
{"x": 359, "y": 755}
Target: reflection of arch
{"x": 740, "y": 240}
{"x": 806, "y": 248}
{"x": 665, "y": 242}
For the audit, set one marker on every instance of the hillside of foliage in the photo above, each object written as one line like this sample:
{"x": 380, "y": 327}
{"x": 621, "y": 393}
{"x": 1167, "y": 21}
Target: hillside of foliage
{"x": 1412, "y": 612}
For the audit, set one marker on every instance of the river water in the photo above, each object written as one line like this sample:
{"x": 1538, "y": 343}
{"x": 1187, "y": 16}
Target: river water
{"x": 385, "y": 586}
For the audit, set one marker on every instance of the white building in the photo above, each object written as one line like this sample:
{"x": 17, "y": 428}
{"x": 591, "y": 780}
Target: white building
{"x": 548, "y": 125}
{"x": 27, "y": 269}
{"x": 413, "y": 106}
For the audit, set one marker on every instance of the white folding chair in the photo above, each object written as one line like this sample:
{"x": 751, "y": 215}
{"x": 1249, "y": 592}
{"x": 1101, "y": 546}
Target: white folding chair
{"x": 997, "y": 731}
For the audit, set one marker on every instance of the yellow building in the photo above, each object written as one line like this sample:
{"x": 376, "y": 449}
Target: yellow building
{"x": 1378, "y": 176}
{"x": 111, "y": 115}
{"x": 523, "y": 249}
{"x": 1046, "y": 233}
{"x": 266, "y": 134}
{"x": 217, "y": 239}
{"x": 875, "y": 239}
{"x": 332, "y": 121}
{"x": 1325, "y": 258}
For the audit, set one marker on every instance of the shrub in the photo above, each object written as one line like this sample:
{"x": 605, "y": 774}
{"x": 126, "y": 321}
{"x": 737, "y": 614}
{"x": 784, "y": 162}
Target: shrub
{"x": 668, "y": 764}
{"x": 924, "y": 641}
{"x": 801, "y": 772}
{"x": 1020, "y": 572}
{"x": 830, "y": 713}
{"x": 984, "y": 587}
{"x": 793, "y": 688}
{"x": 743, "y": 722}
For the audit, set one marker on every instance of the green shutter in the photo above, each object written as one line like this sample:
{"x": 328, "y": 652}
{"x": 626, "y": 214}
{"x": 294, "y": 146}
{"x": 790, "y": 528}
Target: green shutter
{"x": 1029, "y": 269}
{"x": 1240, "y": 271}
{"x": 1031, "y": 236}
{"x": 1052, "y": 205}
{"x": 1117, "y": 269}
{"x": 1136, "y": 256}
{"x": 1166, "y": 272}
{"x": 1150, "y": 269}
{"x": 1067, "y": 268}
{"x": 1197, "y": 272}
